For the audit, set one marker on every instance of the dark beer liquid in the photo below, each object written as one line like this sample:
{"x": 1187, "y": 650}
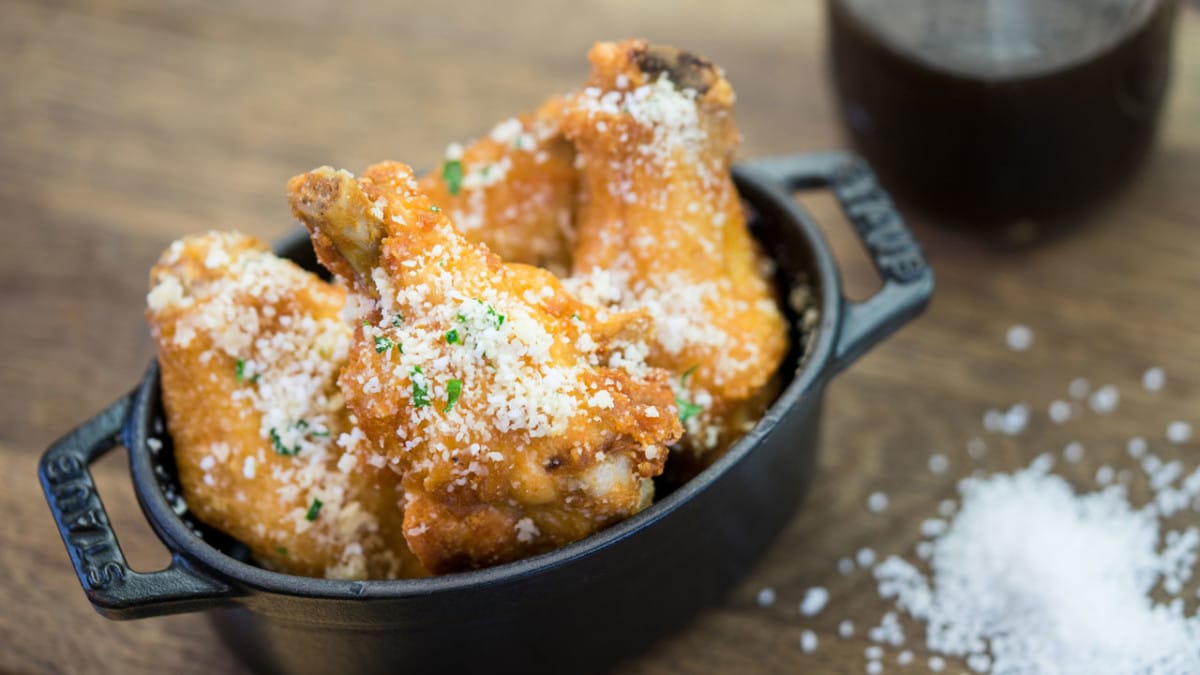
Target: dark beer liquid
{"x": 996, "y": 110}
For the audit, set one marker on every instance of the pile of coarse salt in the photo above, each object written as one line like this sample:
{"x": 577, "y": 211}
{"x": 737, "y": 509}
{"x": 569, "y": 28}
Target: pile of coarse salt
{"x": 1026, "y": 576}
{"x": 1030, "y": 577}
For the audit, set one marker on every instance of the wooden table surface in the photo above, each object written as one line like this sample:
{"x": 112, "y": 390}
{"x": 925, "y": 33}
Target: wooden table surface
{"x": 127, "y": 123}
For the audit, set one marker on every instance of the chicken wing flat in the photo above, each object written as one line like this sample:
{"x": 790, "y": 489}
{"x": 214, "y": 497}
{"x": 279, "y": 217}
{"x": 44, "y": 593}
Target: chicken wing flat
{"x": 514, "y": 190}
{"x": 487, "y": 386}
{"x": 661, "y": 229}
{"x": 250, "y": 346}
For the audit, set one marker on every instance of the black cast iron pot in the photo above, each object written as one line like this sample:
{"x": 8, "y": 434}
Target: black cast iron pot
{"x": 576, "y": 609}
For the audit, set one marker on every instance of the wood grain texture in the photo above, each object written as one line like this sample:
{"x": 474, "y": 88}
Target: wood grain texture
{"x": 125, "y": 124}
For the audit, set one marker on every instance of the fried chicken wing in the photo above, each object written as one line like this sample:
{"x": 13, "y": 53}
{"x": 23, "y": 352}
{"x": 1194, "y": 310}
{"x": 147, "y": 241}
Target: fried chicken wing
{"x": 661, "y": 229}
{"x": 514, "y": 190}
{"x": 519, "y": 417}
{"x": 250, "y": 346}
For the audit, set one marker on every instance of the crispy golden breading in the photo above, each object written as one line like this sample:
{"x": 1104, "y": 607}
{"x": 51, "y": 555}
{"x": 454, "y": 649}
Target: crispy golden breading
{"x": 519, "y": 417}
{"x": 661, "y": 228}
{"x": 250, "y": 346}
{"x": 514, "y": 190}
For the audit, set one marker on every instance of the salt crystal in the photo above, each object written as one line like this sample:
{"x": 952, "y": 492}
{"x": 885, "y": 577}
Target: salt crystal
{"x": 874, "y": 668}
{"x": 947, "y": 507}
{"x": 889, "y": 630}
{"x": 874, "y": 652}
{"x": 1179, "y": 432}
{"x": 904, "y": 658}
{"x": 993, "y": 421}
{"x": 976, "y": 448}
{"x": 1104, "y": 400}
{"x": 766, "y": 597}
{"x": 877, "y": 502}
{"x": 1165, "y": 475}
{"x": 814, "y": 601}
{"x": 808, "y": 641}
{"x": 1016, "y": 419}
{"x": 1150, "y": 463}
{"x": 1073, "y": 452}
{"x": 1136, "y": 447}
{"x": 865, "y": 557}
{"x": 845, "y": 566}
{"x": 1042, "y": 463}
{"x": 846, "y": 628}
{"x": 938, "y": 463}
{"x": 932, "y": 527}
{"x": 1079, "y": 388}
{"x": 936, "y": 664}
{"x": 1154, "y": 379}
{"x": 1019, "y": 338}
{"x": 979, "y": 663}
{"x": 1059, "y": 411}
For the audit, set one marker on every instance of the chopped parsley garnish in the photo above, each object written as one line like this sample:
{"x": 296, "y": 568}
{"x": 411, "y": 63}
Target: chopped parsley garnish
{"x": 452, "y": 337}
{"x": 435, "y": 208}
{"x": 452, "y": 175}
{"x": 453, "y": 391}
{"x": 575, "y": 316}
{"x": 300, "y": 425}
{"x": 420, "y": 388}
{"x": 240, "y": 370}
{"x": 254, "y": 378}
{"x": 687, "y": 410}
{"x": 314, "y": 509}
{"x": 496, "y": 316}
{"x": 686, "y": 374}
{"x": 487, "y": 168}
{"x": 397, "y": 319}
{"x": 281, "y": 550}
{"x": 383, "y": 344}
{"x": 280, "y": 448}
{"x": 366, "y": 323}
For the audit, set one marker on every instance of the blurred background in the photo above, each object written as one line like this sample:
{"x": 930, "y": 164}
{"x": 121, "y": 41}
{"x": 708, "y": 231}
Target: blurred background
{"x": 126, "y": 124}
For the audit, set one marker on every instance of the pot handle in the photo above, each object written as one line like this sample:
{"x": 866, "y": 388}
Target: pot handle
{"x": 115, "y": 590}
{"x": 907, "y": 278}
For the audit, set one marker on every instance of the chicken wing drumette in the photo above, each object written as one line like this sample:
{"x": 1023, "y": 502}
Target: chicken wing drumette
{"x": 514, "y": 190}
{"x": 661, "y": 229}
{"x": 486, "y": 385}
{"x": 250, "y": 346}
